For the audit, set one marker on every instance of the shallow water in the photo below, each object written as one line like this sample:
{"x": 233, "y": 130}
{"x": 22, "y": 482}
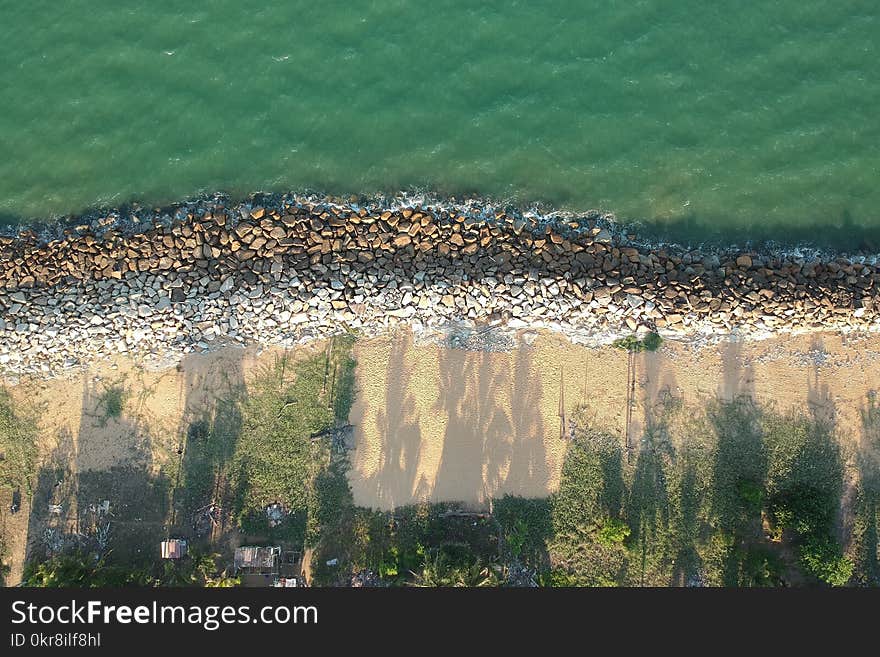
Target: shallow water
{"x": 750, "y": 119}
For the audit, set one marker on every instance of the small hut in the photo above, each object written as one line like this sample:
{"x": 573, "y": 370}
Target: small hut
{"x": 257, "y": 560}
{"x": 257, "y": 566}
{"x": 173, "y": 548}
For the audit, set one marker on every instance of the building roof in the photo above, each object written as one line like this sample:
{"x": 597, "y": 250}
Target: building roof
{"x": 285, "y": 582}
{"x": 173, "y": 548}
{"x": 256, "y": 558}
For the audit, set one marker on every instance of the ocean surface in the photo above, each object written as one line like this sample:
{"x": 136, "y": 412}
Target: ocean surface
{"x": 739, "y": 120}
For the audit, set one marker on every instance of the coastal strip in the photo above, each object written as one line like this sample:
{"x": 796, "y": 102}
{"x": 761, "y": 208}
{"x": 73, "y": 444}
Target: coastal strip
{"x": 287, "y": 269}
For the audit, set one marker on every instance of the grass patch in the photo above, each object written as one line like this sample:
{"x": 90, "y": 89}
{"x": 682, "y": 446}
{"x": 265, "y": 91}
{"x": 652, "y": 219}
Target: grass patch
{"x": 112, "y": 402}
{"x": 18, "y": 460}
{"x": 18, "y": 446}
{"x": 274, "y": 455}
{"x": 285, "y": 451}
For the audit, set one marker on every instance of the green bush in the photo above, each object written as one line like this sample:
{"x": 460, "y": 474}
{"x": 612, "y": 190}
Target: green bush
{"x": 526, "y": 525}
{"x": 651, "y": 342}
{"x": 822, "y": 557}
{"x": 113, "y": 401}
{"x": 629, "y": 343}
{"x": 80, "y": 570}
{"x": 613, "y": 532}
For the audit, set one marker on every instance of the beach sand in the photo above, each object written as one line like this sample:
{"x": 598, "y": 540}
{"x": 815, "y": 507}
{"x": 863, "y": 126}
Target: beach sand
{"x": 437, "y": 424}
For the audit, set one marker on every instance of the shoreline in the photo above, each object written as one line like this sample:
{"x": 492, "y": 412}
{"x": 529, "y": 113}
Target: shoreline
{"x": 135, "y": 217}
{"x": 281, "y": 270}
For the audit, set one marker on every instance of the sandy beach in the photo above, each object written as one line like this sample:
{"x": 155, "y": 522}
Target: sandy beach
{"x": 437, "y": 424}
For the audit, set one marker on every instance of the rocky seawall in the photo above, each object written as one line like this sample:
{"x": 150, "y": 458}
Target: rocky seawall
{"x": 284, "y": 269}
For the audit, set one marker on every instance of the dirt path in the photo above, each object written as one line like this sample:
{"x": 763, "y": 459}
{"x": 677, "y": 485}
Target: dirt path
{"x": 439, "y": 424}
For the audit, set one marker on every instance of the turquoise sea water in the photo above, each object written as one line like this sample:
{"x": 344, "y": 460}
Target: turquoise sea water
{"x": 747, "y": 117}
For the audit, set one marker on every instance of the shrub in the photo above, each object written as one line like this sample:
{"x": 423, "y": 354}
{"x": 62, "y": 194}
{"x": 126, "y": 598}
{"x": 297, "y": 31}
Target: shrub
{"x": 613, "y": 532}
{"x": 629, "y": 343}
{"x": 651, "y": 342}
{"x": 113, "y": 400}
{"x": 822, "y": 557}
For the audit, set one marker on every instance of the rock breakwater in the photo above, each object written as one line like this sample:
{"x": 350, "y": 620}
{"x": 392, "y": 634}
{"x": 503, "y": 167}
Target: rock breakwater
{"x": 285, "y": 269}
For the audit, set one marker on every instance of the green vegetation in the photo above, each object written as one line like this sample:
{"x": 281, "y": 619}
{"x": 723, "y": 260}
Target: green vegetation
{"x": 273, "y": 461}
{"x": 112, "y": 401}
{"x": 804, "y": 486}
{"x": 737, "y": 496}
{"x": 650, "y": 342}
{"x": 272, "y": 443}
{"x": 420, "y": 545}
{"x": 18, "y": 447}
{"x": 865, "y": 549}
{"x": 440, "y": 571}
{"x": 525, "y": 525}
{"x": 18, "y": 459}
{"x": 285, "y": 449}
{"x": 731, "y": 494}
{"x": 81, "y": 569}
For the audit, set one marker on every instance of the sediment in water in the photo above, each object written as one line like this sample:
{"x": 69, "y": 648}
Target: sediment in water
{"x": 284, "y": 269}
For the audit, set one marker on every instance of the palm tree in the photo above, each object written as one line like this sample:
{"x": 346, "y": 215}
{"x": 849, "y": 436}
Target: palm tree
{"x": 438, "y": 572}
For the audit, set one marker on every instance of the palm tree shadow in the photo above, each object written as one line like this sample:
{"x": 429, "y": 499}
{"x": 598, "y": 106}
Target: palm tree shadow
{"x": 395, "y": 480}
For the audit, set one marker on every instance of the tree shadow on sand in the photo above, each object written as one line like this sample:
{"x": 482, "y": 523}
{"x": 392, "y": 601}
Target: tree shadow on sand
{"x": 117, "y": 512}
{"x": 208, "y": 434}
{"x": 495, "y": 433}
{"x": 394, "y": 481}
